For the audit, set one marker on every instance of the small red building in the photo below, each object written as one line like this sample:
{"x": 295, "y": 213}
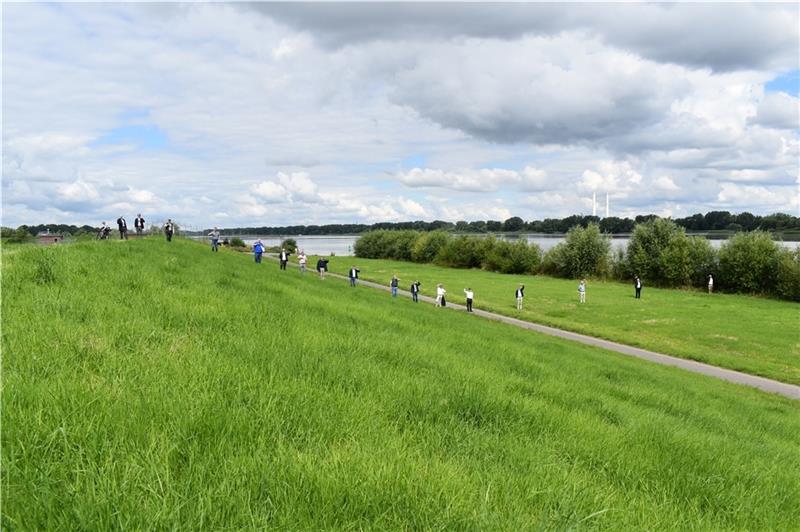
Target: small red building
{"x": 49, "y": 238}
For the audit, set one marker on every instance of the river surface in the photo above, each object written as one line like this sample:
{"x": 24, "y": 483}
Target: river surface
{"x": 342, "y": 245}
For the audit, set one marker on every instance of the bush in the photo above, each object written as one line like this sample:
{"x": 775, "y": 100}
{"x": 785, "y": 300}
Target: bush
{"x": 658, "y": 253}
{"x": 237, "y": 242}
{"x": 372, "y": 245}
{"x": 513, "y": 257}
{"x": 290, "y": 244}
{"x": 463, "y": 252}
{"x": 401, "y": 244}
{"x": 585, "y": 252}
{"x": 788, "y": 277}
{"x": 702, "y": 260}
{"x": 748, "y": 262}
{"x": 428, "y": 245}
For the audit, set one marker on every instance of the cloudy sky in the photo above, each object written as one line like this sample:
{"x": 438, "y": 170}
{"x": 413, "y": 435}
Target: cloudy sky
{"x": 277, "y": 114}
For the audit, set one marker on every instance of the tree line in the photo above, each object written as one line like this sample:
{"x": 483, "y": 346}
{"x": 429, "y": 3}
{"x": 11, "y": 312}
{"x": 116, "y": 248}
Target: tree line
{"x": 659, "y": 252}
{"x": 710, "y": 221}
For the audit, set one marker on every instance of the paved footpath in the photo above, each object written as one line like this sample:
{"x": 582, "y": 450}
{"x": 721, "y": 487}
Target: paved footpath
{"x": 767, "y": 385}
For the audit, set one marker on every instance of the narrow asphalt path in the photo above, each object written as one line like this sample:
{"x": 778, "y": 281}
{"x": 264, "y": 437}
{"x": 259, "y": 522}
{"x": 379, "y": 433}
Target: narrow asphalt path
{"x": 767, "y": 385}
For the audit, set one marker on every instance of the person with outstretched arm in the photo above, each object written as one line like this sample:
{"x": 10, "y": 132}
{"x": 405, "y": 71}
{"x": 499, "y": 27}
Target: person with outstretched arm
{"x": 214, "y": 239}
{"x": 469, "y": 295}
{"x": 258, "y": 251}
{"x": 415, "y": 291}
{"x": 520, "y": 295}
{"x": 353, "y": 276}
{"x": 637, "y": 285}
{"x": 284, "y": 258}
{"x": 322, "y": 265}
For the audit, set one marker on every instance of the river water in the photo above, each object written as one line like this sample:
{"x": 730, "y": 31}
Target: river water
{"x": 342, "y": 245}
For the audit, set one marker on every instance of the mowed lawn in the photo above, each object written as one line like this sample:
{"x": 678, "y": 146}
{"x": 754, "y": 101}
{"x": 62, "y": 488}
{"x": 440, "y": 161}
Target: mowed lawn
{"x": 149, "y": 385}
{"x": 751, "y": 334}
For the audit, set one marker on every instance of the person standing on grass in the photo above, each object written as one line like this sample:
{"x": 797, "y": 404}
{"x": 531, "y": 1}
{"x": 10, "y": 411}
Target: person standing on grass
{"x": 322, "y": 265}
{"x": 710, "y": 283}
{"x": 415, "y": 291}
{"x": 520, "y": 295}
{"x": 582, "y": 291}
{"x": 123, "y": 228}
{"x": 440, "y": 293}
{"x": 138, "y": 223}
{"x": 302, "y": 259}
{"x": 258, "y": 250}
{"x": 214, "y": 238}
{"x": 637, "y": 284}
{"x": 353, "y": 275}
{"x": 469, "y": 294}
{"x": 393, "y": 284}
{"x": 169, "y": 229}
{"x": 284, "y": 258}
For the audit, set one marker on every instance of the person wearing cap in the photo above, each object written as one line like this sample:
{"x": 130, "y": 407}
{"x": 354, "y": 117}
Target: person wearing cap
{"x": 258, "y": 250}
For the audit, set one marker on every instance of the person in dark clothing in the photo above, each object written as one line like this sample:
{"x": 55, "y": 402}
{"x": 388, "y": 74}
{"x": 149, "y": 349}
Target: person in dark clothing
{"x": 469, "y": 295}
{"x": 520, "y": 295}
{"x": 415, "y": 291}
{"x": 284, "y": 257}
{"x": 322, "y": 266}
{"x": 169, "y": 229}
{"x": 395, "y": 282}
{"x": 637, "y": 284}
{"x": 123, "y": 228}
{"x": 138, "y": 223}
{"x": 353, "y": 275}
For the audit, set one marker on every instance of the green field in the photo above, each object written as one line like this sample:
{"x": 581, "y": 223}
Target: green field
{"x": 751, "y": 334}
{"x": 149, "y": 385}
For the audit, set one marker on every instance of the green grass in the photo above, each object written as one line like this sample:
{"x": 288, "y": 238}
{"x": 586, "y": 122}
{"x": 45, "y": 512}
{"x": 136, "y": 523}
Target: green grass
{"x": 149, "y": 385}
{"x": 751, "y": 334}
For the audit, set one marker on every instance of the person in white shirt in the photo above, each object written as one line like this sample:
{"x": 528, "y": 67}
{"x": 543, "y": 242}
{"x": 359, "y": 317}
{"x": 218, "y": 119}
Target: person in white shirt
{"x": 302, "y": 259}
{"x": 710, "y": 283}
{"x": 582, "y": 290}
{"x": 520, "y": 295}
{"x": 469, "y": 294}
{"x": 214, "y": 238}
{"x": 440, "y": 293}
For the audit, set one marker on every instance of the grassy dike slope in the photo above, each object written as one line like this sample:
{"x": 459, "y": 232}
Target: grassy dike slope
{"x": 751, "y": 334}
{"x": 155, "y": 385}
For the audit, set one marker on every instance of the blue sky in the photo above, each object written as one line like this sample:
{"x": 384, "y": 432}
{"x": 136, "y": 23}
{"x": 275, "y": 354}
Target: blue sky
{"x": 277, "y": 114}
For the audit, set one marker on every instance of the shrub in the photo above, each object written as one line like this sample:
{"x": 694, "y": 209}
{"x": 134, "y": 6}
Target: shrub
{"x": 585, "y": 251}
{"x": 748, "y": 262}
{"x": 428, "y": 245}
{"x": 513, "y": 257}
{"x": 290, "y": 244}
{"x": 401, "y": 244}
{"x": 462, "y": 252}
{"x": 372, "y": 245}
{"x": 787, "y": 284}
{"x": 237, "y": 242}
{"x": 649, "y": 242}
{"x": 702, "y": 260}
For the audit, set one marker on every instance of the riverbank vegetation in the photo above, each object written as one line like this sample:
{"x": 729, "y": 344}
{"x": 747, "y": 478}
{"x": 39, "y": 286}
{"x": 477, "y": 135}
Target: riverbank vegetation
{"x": 154, "y": 385}
{"x": 659, "y": 252}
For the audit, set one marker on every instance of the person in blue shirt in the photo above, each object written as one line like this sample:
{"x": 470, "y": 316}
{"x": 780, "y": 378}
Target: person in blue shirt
{"x": 394, "y": 284}
{"x": 258, "y": 250}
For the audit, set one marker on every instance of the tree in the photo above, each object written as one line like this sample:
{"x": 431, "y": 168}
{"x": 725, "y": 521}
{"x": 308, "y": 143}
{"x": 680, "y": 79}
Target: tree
{"x": 748, "y": 262}
{"x": 290, "y": 244}
{"x": 513, "y": 224}
{"x": 428, "y": 245}
{"x": 585, "y": 251}
{"x": 654, "y": 247}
